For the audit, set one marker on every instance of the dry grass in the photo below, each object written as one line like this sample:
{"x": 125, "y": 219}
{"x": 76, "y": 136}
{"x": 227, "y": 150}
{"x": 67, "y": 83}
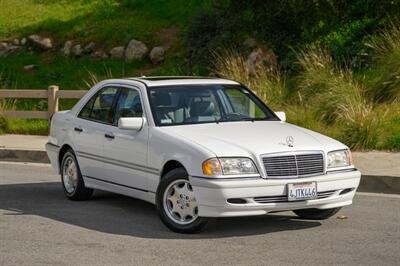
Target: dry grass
{"x": 339, "y": 99}
{"x": 267, "y": 84}
{"x": 386, "y": 86}
{"x": 93, "y": 78}
{"x": 327, "y": 98}
{"x": 331, "y": 89}
{"x": 5, "y": 104}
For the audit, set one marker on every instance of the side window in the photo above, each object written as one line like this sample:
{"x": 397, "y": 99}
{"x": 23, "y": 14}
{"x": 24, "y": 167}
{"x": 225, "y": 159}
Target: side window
{"x": 128, "y": 105}
{"x": 99, "y": 107}
{"x": 87, "y": 109}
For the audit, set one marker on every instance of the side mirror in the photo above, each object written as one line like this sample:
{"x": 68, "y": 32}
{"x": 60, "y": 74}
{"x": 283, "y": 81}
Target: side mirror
{"x": 281, "y": 116}
{"x": 131, "y": 123}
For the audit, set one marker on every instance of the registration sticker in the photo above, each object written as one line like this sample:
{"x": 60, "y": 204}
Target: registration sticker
{"x": 302, "y": 191}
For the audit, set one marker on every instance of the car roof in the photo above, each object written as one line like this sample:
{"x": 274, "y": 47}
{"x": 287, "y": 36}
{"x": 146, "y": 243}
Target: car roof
{"x": 181, "y": 80}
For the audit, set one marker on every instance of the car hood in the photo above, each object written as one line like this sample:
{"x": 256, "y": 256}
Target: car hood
{"x": 253, "y": 138}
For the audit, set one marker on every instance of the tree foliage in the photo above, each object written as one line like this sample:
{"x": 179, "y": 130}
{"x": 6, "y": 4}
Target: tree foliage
{"x": 339, "y": 26}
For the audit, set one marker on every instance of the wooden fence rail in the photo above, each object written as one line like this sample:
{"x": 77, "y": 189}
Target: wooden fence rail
{"x": 53, "y": 94}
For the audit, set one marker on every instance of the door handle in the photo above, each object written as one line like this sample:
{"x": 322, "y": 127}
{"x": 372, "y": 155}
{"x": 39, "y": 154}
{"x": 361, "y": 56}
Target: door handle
{"x": 78, "y": 129}
{"x": 109, "y": 136}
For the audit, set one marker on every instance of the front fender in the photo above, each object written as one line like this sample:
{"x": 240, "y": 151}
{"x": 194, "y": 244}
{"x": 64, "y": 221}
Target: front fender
{"x": 164, "y": 147}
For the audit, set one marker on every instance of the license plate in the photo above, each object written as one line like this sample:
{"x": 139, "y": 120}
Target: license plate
{"x": 302, "y": 191}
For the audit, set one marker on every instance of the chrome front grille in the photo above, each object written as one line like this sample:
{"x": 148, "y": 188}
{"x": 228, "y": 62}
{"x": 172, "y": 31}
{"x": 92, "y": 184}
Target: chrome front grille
{"x": 294, "y": 165}
{"x": 284, "y": 198}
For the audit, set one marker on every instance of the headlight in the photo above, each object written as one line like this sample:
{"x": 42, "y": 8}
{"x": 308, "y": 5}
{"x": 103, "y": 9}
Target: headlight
{"x": 229, "y": 166}
{"x": 339, "y": 158}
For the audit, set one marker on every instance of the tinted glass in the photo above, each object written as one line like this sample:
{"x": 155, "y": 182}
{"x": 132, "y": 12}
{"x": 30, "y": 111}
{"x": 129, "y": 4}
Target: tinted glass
{"x": 128, "y": 105}
{"x": 99, "y": 107}
{"x": 191, "y": 104}
{"x": 87, "y": 109}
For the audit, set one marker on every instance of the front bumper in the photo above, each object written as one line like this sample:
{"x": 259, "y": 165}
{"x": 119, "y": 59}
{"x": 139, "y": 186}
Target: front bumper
{"x": 212, "y": 194}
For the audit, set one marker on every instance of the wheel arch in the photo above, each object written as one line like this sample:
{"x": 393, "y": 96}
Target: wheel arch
{"x": 64, "y": 148}
{"x": 171, "y": 165}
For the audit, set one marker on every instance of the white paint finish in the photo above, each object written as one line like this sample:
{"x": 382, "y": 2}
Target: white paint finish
{"x": 213, "y": 194}
{"x": 146, "y": 151}
{"x": 251, "y": 139}
{"x": 165, "y": 146}
{"x": 90, "y": 141}
{"x": 128, "y": 147}
{"x": 130, "y": 123}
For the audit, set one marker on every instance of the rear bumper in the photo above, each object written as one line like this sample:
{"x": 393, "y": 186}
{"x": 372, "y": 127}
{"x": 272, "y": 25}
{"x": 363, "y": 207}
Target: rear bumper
{"x": 212, "y": 194}
{"x": 52, "y": 152}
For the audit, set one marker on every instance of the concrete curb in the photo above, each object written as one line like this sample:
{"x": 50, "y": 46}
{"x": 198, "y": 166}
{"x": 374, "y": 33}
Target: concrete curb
{"x": 28, "y": 156}
{"x": 368, "y": 183}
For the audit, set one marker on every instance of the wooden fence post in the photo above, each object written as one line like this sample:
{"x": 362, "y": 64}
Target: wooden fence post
{"x": 52, "y": 101}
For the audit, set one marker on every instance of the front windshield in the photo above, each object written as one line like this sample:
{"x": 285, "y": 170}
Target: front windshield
{"x": 193, "y": 104}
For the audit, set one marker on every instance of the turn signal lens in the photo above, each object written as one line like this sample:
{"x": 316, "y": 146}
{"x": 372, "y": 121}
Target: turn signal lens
{"x": 212, "y": 167}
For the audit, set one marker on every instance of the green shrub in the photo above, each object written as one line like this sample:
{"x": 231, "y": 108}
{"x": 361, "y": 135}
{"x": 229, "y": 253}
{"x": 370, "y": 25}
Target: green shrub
{"x": 27, "y": 126}
{"x": 3, "y": 124}
{"x": 339, "y": 26}
{"x": 385, "y": 86}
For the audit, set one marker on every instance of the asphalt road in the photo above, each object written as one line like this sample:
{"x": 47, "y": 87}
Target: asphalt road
{"x": 38, "y": 226}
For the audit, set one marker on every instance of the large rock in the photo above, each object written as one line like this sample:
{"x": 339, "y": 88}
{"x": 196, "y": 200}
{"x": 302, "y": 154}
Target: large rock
{"x": 7, "y": 48}
{"x": 3, "y": 48}
{"x": 261, "y": 58}
{"x": 77, "y": 50}
{"x": 89, "y": 48}
{"x": 16, "y": 42}
{"x": 29, "y": 68}
{"x": 3, "y": 45}
{"x": 136, "y": 50}
{"x": 23, "y": 41}
{"x": 66, "y": 50}
{"x": 12, "y": 48}
{"x": 40, "y": 42}
{"x": 117, "y": 52}
{"x": 157, "y": 54}
{"x": 99, "y": 54}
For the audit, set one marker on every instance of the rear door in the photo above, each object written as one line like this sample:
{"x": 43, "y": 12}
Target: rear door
{"x": 90, "y": 128}
{"x": 126, "y": 150}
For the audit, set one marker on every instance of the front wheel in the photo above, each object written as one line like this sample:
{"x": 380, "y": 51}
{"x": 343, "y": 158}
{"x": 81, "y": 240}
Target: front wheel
{"x": 316, "y": 214}
{"x": 176, "y": 203}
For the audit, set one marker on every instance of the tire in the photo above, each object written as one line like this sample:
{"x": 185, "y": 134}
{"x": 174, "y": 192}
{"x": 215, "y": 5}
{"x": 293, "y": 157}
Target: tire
{"x": 74, "y": 187}
{"x": 176, "y": 204}
{"x": 316, "y": 214}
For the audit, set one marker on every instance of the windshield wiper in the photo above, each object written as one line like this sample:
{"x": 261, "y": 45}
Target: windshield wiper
{"x": 232, "y": 119}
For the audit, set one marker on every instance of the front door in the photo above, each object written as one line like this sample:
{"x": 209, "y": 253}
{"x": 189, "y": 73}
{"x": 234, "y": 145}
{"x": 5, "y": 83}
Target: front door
{"x": 126, "y": 150}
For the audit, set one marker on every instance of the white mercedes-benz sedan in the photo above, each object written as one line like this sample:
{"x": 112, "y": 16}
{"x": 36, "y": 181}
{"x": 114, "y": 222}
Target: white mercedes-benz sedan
{"x": 197, "y": 148}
